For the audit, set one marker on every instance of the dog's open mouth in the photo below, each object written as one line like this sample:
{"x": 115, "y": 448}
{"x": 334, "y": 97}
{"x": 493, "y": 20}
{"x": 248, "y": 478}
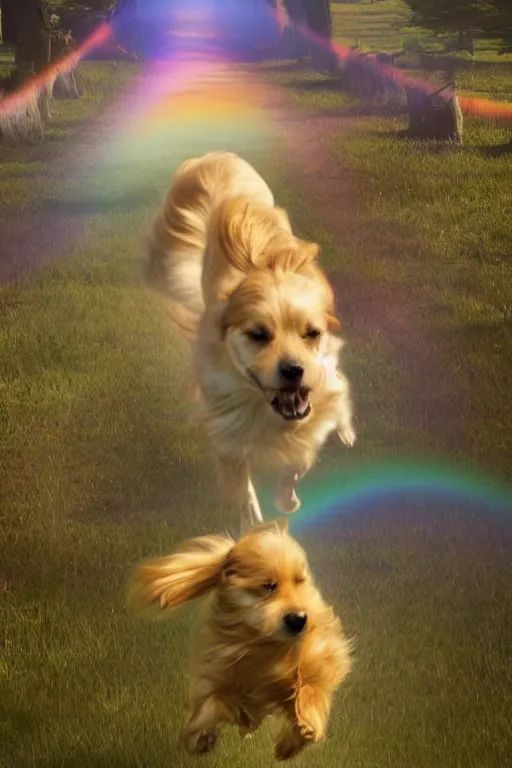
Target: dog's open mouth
{"x": 292, "y": 404}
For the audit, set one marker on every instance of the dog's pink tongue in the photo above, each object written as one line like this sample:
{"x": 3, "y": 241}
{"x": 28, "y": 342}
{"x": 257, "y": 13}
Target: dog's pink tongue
{"x": 293, "y": 402}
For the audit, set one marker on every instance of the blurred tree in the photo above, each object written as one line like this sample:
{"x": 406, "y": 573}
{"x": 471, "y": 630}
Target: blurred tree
{"x": 29, "y": 30}
{"x": 498, "y": 23}
{"x": 8, "y": 8}
{"x": 31, "y": 27}
{"x": 316, "y": 16}
{"x": 461, "y": 17}
{"x": 467, "y": 18}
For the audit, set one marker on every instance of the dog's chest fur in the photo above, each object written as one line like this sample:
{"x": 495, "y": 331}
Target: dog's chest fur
{"x": 255, "y": 684}
{"x": 241, "y": 424}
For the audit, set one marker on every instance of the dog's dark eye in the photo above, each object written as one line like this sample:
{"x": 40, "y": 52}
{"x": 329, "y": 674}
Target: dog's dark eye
{"x": 270, "y": 586}
{"x": 260, "y": 335}
{"x": 312, "y": 333}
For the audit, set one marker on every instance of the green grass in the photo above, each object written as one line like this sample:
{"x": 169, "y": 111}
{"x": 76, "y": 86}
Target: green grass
{"x": 439, "y": 221}
{"x": 25, "y": 170}
{"x": 99, "y": 466}
{"x": 445, "y": 216}
{"x": 384, "y": 26}
{"x": 377, "y": 26}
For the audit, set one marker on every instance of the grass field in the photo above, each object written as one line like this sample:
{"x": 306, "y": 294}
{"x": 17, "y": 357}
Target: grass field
{"x": 384, "y": 26}
{"x": 443, "y": 217}
{"x": 24, "y": 174}
{"x": 99, "y": 467}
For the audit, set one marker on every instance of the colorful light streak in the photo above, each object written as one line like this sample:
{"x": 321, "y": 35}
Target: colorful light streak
{"x": 482, "y": 108}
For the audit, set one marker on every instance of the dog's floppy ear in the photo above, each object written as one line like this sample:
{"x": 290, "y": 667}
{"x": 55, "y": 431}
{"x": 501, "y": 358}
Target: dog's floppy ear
{"x": 314, "y": 270}
{"x": 309, "y": 251}
{"x": 245, "y": 230}
{"x": 290, "y": 254}
{"x": 167, "y": 582}
{"x": 333, "y": 324}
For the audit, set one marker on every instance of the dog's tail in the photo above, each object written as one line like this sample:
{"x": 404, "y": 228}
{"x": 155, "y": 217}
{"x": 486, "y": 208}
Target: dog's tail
{"x": 177, "y": 239}
{"x": 175, "y": 249}
{"x": 167, "y": 582}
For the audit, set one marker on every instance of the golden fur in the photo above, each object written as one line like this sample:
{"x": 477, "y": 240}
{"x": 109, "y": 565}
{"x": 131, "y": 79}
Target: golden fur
{"x": 252, "y": 298}
{"x": 247, "y": 664}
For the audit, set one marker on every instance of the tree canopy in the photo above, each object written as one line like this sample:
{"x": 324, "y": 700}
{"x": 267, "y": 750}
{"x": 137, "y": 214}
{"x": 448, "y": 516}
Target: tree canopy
{"x": 498, "y": 24}
{"x": 472, "y": 18}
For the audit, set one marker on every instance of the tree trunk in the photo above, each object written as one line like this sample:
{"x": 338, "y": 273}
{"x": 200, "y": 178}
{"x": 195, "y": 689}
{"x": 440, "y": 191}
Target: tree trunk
{"x": 32, "y": 40}
{"x": 9, "y": 11}
{"x": 466, "y": 42}
{"x": 316, "y": 16}
{"x": 319, "y": 21}
{"x": 127, "y": 21}
{"x": 294, "y": 43}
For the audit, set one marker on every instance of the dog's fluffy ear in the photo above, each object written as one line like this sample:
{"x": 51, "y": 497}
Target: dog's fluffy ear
{"x": 167, "y": 582}
{"x": 311, "y": 269}
{"x": 245, "y": 231}
{"x": 333, "y": 324}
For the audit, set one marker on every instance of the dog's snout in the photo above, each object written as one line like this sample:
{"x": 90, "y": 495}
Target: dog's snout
{"x": 290, "y": 370}
{"x": 295, "y": 622}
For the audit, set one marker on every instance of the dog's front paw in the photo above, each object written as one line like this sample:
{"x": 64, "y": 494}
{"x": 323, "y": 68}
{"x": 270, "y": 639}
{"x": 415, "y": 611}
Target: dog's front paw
{"x": 308, "y": 732}
{"x": 347, "y": 436}
{"x": 200, "y": 742}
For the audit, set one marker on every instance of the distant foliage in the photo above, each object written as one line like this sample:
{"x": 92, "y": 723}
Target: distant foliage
{"x": 490, "y": 19}
{"x": 498, "y": 25}
{"x": 412, "y": 44}
{"x": 94, "y": 5}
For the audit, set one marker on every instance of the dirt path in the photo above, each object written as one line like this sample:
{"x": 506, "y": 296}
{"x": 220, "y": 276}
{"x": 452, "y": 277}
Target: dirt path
{"x": 370, "y": 311}
{"x": 49, "y": 227}
{"x": 66, "y": 196}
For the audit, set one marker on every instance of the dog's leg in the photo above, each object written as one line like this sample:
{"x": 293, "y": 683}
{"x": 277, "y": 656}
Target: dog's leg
{"x": 252, "y": 515}
{"x": 312, "y": 707}
{"x": 200, "y": 732}
{"x": 286, "y": 499}
{"x": 345, "y": 428}
{"x": 307, "y": 723}
{"x": 236, "y": 485}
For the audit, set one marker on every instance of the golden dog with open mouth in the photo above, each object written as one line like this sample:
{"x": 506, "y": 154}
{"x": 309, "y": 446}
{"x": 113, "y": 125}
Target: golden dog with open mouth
{"x": 260, "y": 312}
{"x": 267, "y": 642}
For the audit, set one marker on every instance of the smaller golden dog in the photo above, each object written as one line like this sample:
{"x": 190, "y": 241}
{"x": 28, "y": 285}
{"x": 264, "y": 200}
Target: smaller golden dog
{"x": 267, "y": 641}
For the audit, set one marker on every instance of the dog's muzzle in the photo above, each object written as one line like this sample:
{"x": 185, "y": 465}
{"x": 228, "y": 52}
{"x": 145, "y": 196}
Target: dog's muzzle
{"x": 292, "y": 403}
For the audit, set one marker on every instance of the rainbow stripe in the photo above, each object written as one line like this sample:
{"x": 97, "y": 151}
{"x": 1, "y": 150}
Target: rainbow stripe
{"x": 336, "y": 493}
{"x": 483, "y": 108}
{"x": 214, "y": 16}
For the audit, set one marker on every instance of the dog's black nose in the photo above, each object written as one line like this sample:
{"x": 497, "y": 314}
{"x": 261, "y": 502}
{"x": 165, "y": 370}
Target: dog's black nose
{"x": 295, "y": 622}
{"x": 290, "y": 371}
